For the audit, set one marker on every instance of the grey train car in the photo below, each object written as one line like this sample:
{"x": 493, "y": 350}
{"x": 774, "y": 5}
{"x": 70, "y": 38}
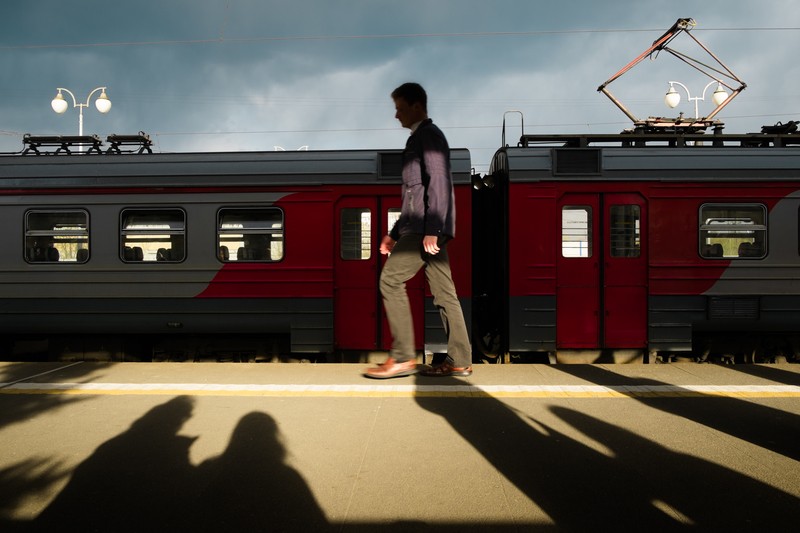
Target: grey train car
{"x": 152, "y": 247}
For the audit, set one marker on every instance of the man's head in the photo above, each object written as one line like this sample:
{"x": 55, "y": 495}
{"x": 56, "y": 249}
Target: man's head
{"x": 411, "y": 104}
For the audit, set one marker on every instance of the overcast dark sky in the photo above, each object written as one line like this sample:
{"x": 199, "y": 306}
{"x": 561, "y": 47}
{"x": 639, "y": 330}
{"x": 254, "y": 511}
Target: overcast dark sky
{"x": 203, "y": 75}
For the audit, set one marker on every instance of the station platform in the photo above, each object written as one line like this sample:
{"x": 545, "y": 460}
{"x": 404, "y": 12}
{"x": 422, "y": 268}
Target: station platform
{"x": 318, "y": 447}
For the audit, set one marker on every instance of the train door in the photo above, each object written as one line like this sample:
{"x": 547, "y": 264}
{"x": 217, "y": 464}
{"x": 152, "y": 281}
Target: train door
{"x": 601, "y": 293}
{"x": 361, "y": 223}
{"x": 624, "y": 271}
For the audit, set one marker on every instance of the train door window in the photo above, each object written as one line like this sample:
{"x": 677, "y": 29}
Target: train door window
{"x": 57, "y": 236}
{"x": 576, "y": 231}
{"x": 392, "y": 216}
{"x": 731, "y": 231}
{"x": 625, "y": 231}
{"x": 153, "y": 235}
{"x": 356, "y": 237}
{"x": 250, "y": 234}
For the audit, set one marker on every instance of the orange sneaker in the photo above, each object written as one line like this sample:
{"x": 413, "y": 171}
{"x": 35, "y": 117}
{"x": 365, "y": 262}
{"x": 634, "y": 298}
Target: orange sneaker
{"x": 392, "y": 369}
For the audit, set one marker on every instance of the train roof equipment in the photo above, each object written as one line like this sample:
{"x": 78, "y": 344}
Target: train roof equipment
{"x": 715, "y": 71}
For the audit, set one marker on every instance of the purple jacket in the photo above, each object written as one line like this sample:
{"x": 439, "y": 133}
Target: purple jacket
{"x": 429, "y": 206}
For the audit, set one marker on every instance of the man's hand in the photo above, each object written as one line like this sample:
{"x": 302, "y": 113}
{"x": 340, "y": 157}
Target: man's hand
{"x": 431, "y": 244}
{"x": 387, "y": 245}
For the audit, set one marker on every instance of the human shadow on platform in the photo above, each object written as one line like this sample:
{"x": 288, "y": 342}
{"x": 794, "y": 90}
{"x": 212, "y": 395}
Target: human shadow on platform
{"x": 251, "y": 488}
{"x": 629, "y": 484}
{"x": 132, "y": 482}
{"x": 143, "y": 480}
{"x": 770, "y": 428}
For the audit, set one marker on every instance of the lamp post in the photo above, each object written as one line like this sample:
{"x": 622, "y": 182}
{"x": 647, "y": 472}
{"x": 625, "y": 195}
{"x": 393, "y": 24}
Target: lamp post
{"x": 673, "y": 97}
{"x": 102, "y": 103}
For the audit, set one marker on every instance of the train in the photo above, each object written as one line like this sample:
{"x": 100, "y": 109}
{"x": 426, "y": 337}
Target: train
{"x": 667, "y": 244}
{"x": 661, "y": 245}
{"x": 149, "y": 246}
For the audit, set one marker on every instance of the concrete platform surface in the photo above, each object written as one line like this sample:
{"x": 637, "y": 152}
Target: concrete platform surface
{"x": 306, "y": 447}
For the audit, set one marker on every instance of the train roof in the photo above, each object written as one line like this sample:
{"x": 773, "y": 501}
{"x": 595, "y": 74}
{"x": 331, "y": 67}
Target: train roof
{"x": 212, "y": 169}
{"x": 649, "y": 156}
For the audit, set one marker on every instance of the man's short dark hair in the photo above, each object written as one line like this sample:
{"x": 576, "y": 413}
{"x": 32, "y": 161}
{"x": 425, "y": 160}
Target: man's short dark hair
{"x": 412, "y": 93}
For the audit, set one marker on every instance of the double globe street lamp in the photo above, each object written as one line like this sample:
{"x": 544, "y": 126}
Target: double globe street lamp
{"x": 673, "y": 97}
{"x": 60, "y": 105}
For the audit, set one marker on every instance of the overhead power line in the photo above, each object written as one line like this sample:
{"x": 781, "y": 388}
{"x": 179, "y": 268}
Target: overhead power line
{"x": 222, "y": 39}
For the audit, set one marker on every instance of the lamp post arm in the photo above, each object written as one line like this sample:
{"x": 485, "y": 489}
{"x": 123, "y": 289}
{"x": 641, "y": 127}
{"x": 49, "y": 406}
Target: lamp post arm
{"x": 74, "y": 100}
{"x": 685, "y": 88}
{"x": 88, "y": 98}
{"x": 712, "y": 82}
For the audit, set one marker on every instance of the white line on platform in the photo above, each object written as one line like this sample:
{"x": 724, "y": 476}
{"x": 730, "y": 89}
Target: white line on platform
{"x": 372, "y": 390}
{"x": 4, "y": 385}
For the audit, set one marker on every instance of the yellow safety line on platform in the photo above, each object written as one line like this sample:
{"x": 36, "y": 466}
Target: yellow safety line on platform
{"x": 371, "y": 391}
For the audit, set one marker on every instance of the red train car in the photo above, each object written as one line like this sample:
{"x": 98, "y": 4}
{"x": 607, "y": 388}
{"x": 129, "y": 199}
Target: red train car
{"x": 281, "y": 244}
{"x": 657, "y": 243}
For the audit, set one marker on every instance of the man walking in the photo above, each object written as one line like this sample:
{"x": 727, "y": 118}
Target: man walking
{"x": 419, "y": 239}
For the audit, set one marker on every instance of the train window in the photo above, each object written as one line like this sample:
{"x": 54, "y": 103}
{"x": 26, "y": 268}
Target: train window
{"x": 250, "y": 234}
{"x": 576, "y": 231}
{"x": 153, "y": 235}
{"x": 730, "y": 231}
{"x": 625, "y": 231}
{"x": 356, "y": 237}
{"x": 57, "y": 236}
{"x": 392, "y": 216}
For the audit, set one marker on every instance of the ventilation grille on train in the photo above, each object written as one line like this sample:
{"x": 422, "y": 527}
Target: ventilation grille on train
{"x": 577, "y": 161}
{"x": 739, "y": 308}
{"x": 391, "y": 164}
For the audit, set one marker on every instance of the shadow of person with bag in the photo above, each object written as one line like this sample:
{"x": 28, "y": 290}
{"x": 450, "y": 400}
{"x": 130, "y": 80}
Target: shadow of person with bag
{"x": 137, "y": 480}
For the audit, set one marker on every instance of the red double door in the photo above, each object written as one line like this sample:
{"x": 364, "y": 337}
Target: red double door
{"x": 359, "y": 319}
{"x": 601, "y": 289}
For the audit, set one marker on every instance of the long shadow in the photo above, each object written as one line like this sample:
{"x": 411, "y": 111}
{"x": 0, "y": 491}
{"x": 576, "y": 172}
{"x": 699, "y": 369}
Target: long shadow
{"x": 772, "y": 373}
{"x": 582, "y": 489}
{"x": 707, "y": 495}
{"x": 23, "y": 480}
{"x": 27, "y": 478}
{"x": 18, "y": 407}
{"x": 143, "y": 480}
{"x": 770, "y": 428}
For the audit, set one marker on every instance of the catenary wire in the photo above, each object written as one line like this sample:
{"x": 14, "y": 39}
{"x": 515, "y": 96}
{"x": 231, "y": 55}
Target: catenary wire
{"x": 222, "y": 39}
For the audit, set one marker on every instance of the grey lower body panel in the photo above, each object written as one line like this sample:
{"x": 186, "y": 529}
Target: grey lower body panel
{"x": 532, "y": 323}
{"x": 307, "y": 321}
{"x": 673, "y": 320}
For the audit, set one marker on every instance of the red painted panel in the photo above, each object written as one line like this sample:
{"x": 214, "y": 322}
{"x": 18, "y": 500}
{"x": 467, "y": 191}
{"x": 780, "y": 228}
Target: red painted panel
{"x": 624, "y": 278}
{"x": 356, "y": 297}
{"x": 578, "y": 285}
{"x": 625, "y": 317}
{"x": 578, "y": 316}
{"x": 532, "y": 240}
{"x": 269, "y": 280}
